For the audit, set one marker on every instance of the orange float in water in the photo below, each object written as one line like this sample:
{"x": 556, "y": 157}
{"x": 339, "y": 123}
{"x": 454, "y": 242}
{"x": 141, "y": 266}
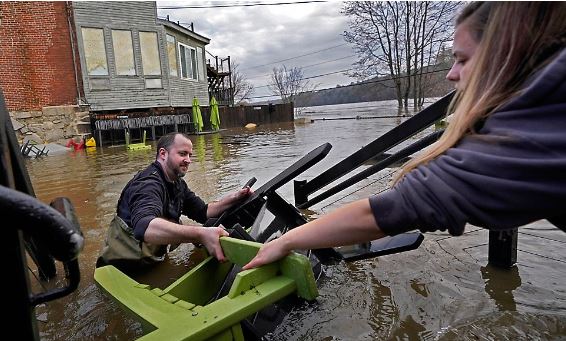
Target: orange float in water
{"x": 75, "y": 145}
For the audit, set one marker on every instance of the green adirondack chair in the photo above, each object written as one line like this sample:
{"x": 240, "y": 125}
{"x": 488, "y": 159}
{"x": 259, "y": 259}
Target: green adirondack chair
{"x": 181, "y": 312}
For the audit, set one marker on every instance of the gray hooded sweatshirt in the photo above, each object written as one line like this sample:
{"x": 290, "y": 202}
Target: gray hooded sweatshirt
{"x": 511, "y": 173}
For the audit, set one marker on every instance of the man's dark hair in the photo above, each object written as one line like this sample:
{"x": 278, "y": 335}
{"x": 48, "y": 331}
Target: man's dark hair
{"x": 167, "y": 140}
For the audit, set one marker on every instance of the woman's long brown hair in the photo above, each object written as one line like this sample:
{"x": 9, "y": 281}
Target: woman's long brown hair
{"x": 520, "y": 38}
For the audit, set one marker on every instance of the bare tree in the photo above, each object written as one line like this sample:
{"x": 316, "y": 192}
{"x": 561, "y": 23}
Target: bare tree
{"x": 399, "y": 40}
{"x": 288, "y": 83}
{"x": 241, "y": 87}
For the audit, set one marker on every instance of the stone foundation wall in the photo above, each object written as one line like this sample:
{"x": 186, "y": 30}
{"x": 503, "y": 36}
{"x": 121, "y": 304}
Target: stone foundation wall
{"x": 55, "y": 124}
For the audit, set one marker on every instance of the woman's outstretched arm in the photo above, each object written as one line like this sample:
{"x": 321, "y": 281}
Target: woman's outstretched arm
{"x": 350, "y": 224}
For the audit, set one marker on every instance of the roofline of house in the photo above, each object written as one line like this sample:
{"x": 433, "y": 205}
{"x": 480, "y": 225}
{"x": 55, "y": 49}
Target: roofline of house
{"x": 184, "y": 30}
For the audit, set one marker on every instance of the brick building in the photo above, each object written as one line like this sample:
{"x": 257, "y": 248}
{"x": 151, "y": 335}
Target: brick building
{"x": 36, "y": 58}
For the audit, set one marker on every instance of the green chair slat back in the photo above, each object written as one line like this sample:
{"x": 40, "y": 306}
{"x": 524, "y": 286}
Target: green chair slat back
{"x": 180, "y": 312}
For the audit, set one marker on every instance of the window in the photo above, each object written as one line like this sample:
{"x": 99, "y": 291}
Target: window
{"x": 188, "y": 57}
{"x": 200, "y": 60}
{"x": 123, "y": 53}
{"x": 150, "y": 54}
{"x": 171, "y": 55}
{"x": 95, "y": 51}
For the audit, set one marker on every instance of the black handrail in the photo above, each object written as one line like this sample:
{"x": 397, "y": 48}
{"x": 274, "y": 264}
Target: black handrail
{"x": 390, "y": 139}
{"x": 62, "y": 238}
{"x": 400, "y": 155}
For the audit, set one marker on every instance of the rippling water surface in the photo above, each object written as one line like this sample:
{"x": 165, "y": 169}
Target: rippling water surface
{"x": 442, "y": 291}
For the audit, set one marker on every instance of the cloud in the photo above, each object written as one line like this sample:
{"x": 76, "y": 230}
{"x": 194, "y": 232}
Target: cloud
{"x": 260, "y": 36}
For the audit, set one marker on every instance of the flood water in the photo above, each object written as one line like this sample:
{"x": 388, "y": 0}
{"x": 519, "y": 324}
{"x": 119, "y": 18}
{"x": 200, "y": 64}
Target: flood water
{"x": 444, "y": 290}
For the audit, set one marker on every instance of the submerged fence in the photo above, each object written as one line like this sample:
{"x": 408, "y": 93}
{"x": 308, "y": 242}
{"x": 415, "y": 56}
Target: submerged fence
{"x": 138, "y": 122}
{"x": 110, "y": 128}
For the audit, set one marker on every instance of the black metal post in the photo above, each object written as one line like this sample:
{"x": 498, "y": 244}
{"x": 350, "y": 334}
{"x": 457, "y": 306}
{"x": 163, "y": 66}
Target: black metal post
{"x": 231, "y": 91}
{"x": 21, "y": 319}
{"x": 301, "y": 196}
{"x": 502, "y": 250}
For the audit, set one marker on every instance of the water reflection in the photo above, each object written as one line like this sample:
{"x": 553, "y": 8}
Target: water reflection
{"x": 499, "y": 285}
{"x": 384, "y": 310}
{"x": 419, "y": 288}
{"x": 217, "y": 152}
{"x": 199, "y": 147}
{"x": 408, "y": 329}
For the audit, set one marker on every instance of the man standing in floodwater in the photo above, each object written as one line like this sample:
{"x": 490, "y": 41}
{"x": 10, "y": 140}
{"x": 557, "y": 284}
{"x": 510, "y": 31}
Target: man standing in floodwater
{"x": 147, "y": 219}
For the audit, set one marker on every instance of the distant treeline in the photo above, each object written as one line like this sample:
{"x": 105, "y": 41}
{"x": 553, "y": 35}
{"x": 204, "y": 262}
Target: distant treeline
{"x": 376, "y": 89}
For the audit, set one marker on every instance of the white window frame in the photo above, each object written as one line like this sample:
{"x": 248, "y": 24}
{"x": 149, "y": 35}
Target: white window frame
{"x": 194, "y": 74}
{"x": 200, "y": 63}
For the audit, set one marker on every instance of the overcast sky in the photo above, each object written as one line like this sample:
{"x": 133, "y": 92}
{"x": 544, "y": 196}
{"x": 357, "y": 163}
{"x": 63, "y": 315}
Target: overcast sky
{"x": 259, "y": 38}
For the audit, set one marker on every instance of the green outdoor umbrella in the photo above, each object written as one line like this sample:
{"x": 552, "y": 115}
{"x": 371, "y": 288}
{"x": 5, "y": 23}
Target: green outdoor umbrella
{"x": 197, "y": 117}
{"x": 214, "y": 114}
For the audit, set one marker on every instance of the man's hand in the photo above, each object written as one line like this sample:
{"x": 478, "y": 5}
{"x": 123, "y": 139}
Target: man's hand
{"x": 242, "y": 194}
{"x": 210, "y": 238}
{"x": 216, "y": 208}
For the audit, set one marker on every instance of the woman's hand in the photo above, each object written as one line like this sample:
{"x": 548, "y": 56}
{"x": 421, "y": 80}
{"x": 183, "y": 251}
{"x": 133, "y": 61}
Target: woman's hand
{"x": 269, "y": 253}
